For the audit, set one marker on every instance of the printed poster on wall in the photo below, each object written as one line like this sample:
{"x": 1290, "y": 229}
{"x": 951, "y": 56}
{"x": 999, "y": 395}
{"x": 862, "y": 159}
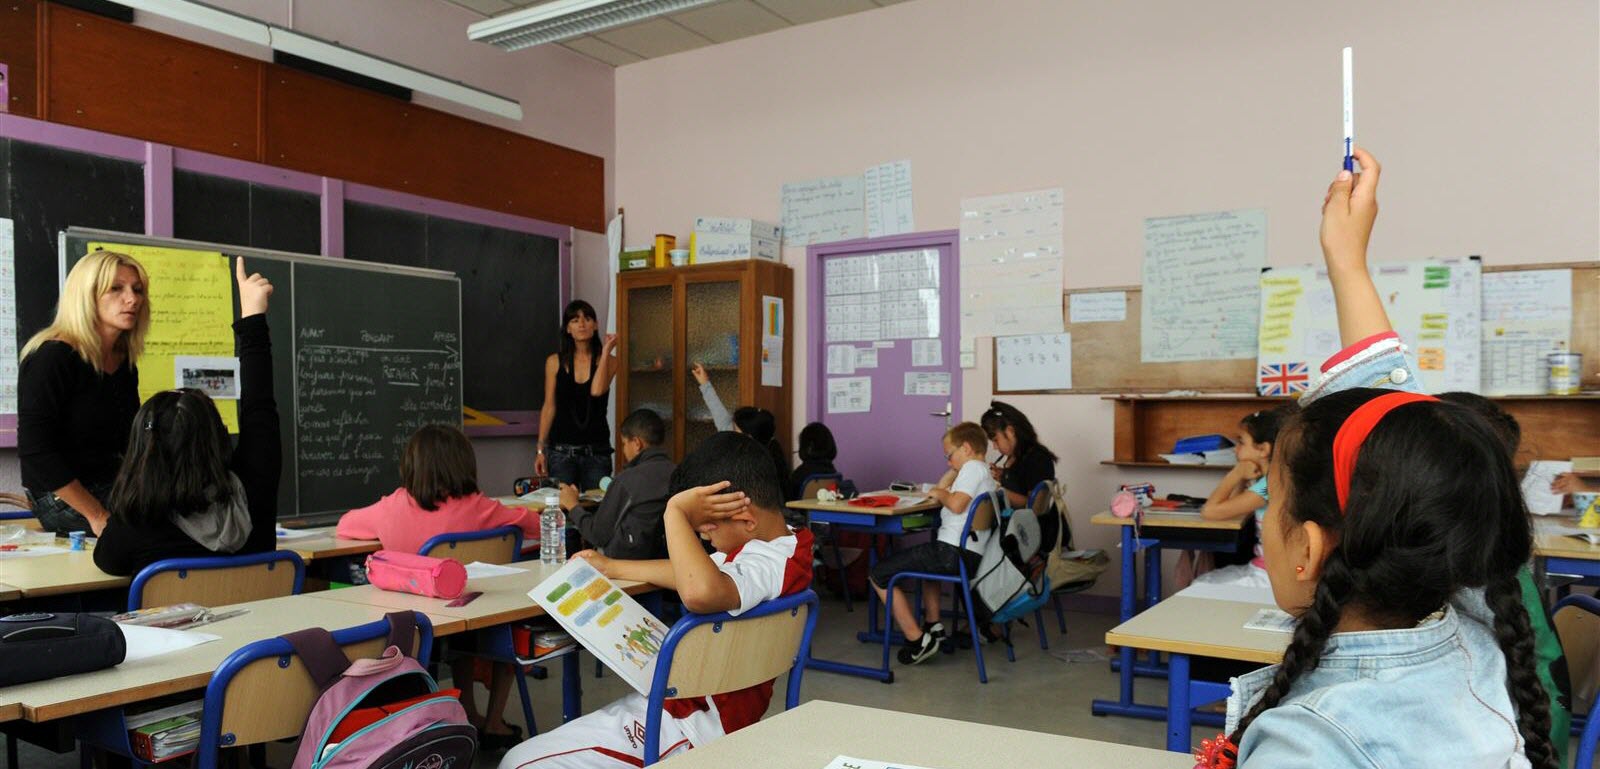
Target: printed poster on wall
{"x": 772, "y": 341}
{"x": 8, "y": 316}
{"x": 1011, "y": 264}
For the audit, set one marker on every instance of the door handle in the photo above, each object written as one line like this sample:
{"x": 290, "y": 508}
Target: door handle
{"x": 948, "y": 411}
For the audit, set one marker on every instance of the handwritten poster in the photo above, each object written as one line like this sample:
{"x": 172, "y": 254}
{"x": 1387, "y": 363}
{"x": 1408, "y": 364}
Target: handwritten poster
{"x": 888, "y": 197}
{"x": 1011, "y": 263}
{"x": 1098, "y": 307}
{"x": 8, "y": 317}
{"x": 191, "y": 313}
{"x": 823, "y": 210}
{"x": 605, "y": 620}
{"x": 886, "y": 296}
{"x": 1201, "y": 285}
{"x": 1033, "y": 362}
{"x": 849, "y": 395}
{"x": 1526, "y": 315}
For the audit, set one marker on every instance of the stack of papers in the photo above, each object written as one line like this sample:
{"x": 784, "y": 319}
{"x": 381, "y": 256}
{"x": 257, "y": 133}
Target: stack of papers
{"x": 1228, "y": 456}
{"x": 161, "y": 734}
{"x": 1271, "y": 620}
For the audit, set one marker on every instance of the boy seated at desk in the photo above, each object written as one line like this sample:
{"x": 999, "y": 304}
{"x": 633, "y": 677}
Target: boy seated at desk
{"x": 628, "y": 523}
{"x": 726, "y": 489}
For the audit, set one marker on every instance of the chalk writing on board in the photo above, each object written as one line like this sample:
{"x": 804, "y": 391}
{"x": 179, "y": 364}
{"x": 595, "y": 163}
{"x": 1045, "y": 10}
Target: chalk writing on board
{"x": 823, "y": 210}
{"x": 1201, "y": 285}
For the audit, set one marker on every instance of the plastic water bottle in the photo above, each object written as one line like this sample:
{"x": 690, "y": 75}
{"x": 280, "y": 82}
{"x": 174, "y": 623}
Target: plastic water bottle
{"x": 552, "y": 536}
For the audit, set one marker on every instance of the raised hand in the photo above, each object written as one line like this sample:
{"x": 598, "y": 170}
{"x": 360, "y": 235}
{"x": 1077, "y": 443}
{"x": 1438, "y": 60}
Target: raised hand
{"x": 254, "y": 290}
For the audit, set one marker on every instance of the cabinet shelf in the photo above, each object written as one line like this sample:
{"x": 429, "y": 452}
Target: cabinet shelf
{"x": 1164, "y": 465}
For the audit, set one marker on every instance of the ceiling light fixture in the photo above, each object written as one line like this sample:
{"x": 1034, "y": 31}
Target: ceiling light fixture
{"x": 566, "y": 19}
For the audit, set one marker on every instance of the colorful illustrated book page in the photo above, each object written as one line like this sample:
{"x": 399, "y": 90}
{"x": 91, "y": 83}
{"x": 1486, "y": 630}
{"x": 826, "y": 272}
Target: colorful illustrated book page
{"x": 605, "y": 620}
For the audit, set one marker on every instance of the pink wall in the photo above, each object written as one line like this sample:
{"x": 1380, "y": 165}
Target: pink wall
{"x": 1484, "y": 114}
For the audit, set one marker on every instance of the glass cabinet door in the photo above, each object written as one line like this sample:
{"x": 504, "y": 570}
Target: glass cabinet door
{"x": 712, "y": 336}
{"x": 649, "y": 355}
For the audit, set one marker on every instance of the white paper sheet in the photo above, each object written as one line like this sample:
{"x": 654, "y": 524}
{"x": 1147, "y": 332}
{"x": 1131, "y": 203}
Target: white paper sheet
{"x": 888, "y": 199}
{"x": 31, "y": 551}
{"x": 292, "y": 534}
{"x": 1033, "y": 362}
{"x": 1241, "y": 593}
{"x": 1098, "y": 307}
{"x": 606, "y": 621}
{"x": 849, "y": 395}
{"x": 146, "y": 642}
{"x": 772, "y": 341}
{"x": 968, "y": 359}
{"x": 883, "y": 344}
{"x": 481, "y": 570}
{"x": 841, "y": 359}
{"x": 927, "y": 383}
{"x": 823, "y": 210}
{"x": 217, "y": 376}
{"x": 1526, "y": 315}
{"x": 867, "y": 357}
{"x": 927, "y": 352}
{"x": 1011, "y": 263}
{"x": 873, "y": 297}
{"x": 847, "y": 762}
{"x": 1536, "y": 486}
{"x": 1202, "y": 276}
{"x": 8, "y": 318}
{"x": 1271, "y": 620}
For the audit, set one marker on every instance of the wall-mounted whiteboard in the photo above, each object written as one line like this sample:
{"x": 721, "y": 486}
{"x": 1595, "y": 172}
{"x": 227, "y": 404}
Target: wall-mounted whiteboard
{"x": 1435, "y": 305}
{"x": 1032, "y": 363}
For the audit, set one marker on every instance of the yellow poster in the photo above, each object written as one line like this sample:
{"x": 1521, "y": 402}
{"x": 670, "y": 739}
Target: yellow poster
{"x": 191, "y": 313}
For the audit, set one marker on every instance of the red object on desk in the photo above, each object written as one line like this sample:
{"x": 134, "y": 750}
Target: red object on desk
{"x": 877, "y": 500}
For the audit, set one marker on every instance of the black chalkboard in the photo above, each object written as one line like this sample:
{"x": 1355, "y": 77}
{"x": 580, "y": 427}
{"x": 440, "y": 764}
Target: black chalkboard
{"x": 216, "y": 209}
{"x": 362, "y": 354}
{"x": 510, "y": 287}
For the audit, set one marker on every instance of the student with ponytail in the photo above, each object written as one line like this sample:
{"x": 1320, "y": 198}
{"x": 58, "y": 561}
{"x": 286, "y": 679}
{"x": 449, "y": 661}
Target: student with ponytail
{"x": 1395, "y": 530}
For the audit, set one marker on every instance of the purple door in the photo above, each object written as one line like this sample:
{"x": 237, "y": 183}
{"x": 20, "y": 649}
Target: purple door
{"x": 882, "y": 366}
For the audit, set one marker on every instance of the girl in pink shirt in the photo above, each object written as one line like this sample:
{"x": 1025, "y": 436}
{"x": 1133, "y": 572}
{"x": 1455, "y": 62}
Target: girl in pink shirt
{"x": 439, "y": 494}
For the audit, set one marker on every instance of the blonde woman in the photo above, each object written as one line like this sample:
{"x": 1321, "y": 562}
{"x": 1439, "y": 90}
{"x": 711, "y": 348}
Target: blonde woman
{"x": 78, "y": 390}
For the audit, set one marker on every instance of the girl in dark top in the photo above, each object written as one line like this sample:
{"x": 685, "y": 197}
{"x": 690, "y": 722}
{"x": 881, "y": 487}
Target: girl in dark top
{"x": 759, "y": 424}
{"x": 817, "y": 452}
{"x": 77, "y": 390}
{"x": 1024, "y": 462}
{"x": 181, "y": 491}
{"x": 574, "y": 436}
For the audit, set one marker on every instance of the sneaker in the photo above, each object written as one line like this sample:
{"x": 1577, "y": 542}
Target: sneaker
{"x": 919, "y": 650}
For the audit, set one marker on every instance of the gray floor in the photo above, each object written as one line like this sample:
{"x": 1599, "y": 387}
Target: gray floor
{"x": 1038, "y": 692}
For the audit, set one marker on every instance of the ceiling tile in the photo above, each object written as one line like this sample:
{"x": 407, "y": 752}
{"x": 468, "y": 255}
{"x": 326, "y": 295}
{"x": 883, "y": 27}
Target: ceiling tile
{"x": 730, "y": 21}
{"x": 806, "y": 11}
{"x": 488, "y": 7}
{"x": 652, "y": 38}
{"x": 600, "y": 50}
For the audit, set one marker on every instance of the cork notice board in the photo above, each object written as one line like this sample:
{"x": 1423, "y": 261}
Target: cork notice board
{"x": 1106, "y": 358}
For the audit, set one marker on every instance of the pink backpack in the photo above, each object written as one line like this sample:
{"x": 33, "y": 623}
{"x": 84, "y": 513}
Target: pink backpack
{"x": 431, "y": 732}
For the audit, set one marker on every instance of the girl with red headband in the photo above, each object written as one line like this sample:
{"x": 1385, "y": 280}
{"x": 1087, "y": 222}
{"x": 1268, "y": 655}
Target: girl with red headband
{"x": 1394, "y": 531}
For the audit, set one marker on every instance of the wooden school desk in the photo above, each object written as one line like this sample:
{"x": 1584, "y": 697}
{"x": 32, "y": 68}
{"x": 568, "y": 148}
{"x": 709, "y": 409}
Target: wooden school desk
{"x": 812, "y": 734}
{"x": 1558, "y": 553}
{"x": 9, "y": 593}
{"x": 70, "y": 572}
{"x": 893, "y": 522}
{"x": 1184, "y": 626}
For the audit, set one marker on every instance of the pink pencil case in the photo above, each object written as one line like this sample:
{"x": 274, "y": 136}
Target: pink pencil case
{"x": 418, "y": 574}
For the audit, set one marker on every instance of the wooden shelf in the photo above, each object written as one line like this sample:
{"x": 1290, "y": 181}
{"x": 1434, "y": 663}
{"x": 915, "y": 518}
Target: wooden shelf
{"x": 1164, "y": 465}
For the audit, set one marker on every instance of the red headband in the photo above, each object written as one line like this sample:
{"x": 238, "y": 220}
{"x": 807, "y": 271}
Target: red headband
{"x": 1347, "y": 442}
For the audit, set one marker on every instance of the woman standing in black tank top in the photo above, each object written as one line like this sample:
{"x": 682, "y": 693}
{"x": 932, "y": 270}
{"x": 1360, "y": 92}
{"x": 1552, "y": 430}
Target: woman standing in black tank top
{"x": 574, "y": 436}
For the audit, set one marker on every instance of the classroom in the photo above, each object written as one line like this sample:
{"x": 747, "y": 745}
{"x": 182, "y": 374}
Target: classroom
{"x": 598, "y": 356}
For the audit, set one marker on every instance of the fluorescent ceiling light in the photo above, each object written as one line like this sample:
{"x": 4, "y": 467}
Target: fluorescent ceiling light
{"x": 334, "y": 55}
{"x": 565, "y": 19}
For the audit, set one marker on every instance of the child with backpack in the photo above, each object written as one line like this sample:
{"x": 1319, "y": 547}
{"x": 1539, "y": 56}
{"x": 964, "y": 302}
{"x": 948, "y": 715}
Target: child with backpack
{"x": 1394, "y": 532}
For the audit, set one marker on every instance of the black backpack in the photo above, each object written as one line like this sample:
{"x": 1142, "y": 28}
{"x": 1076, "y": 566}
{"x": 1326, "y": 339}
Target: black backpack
{"x": 40, "y": 645}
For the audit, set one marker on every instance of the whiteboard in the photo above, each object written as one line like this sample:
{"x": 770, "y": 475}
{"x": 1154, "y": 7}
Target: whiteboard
{"x": 1435, "y": 306}
{"x": 1033, "y": 362}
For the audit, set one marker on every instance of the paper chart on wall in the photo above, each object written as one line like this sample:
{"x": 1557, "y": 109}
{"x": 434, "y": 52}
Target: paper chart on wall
{"x": 888, "y": 199}
{"x": 1526, "y": 315}
{"x": 8, "y": 318}
{"x": 605, "y": 620}
{"x": 772, "y": 341}
{"x": 1200, "y": 285}
{"x": 927, "y": 352}
{"x": 1433, "y": 306}
{"x": 841, "y": 359}
{"x": 849, "y": 395}
{"x": 1011, "y": 263}
{"x": 886, "y": 296}
{"x": 1033, "y": 362}
{"x": 866, "y": 357}
{"x": 1098, "y": 307}
{"x": 927, "y": 383}
{"x": 823, "y": 210}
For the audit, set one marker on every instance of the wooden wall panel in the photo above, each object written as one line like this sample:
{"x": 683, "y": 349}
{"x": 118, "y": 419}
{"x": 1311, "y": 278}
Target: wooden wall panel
{"x": 19, "y": 51}
{"x": 114, "y": 77}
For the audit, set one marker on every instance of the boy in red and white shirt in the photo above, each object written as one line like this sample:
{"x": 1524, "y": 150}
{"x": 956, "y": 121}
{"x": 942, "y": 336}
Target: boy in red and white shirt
{"x": 727, "y": 490}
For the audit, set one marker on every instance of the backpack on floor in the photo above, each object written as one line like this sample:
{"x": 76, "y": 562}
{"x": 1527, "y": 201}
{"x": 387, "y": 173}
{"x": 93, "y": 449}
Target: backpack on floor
{"x": 384, "y": 713}
{"x": 1012, "y": 565}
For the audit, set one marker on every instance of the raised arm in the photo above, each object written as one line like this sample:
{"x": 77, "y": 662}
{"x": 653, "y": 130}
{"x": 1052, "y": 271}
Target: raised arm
{"x": 606, "y": 371}
{"x": 720, "y": 418}
{"x": 1348, "y": 213}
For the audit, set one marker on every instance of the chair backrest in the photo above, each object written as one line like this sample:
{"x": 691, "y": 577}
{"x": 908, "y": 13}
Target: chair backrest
{"x": 1042, "y": 501}
{"x": 1577, "y": 623}
{"x": 497, "y": 545}
{"x": 707, "y": 654}
{"x": 218, "y": 580}
{"x": 815, "y": 483}
{"x": 15, "y": 500}
{"x": 262, "y": 692}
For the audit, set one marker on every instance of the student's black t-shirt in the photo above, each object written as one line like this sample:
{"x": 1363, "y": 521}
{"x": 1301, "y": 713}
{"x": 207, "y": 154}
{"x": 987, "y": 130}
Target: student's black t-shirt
{"x": 1024, "y": 474}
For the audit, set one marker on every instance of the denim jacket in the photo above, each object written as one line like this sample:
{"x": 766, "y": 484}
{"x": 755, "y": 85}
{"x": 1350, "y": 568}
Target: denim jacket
{"x": 1432, "y": 695}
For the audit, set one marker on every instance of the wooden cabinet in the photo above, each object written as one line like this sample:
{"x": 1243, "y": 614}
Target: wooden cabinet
{"x": 711, "y": 314}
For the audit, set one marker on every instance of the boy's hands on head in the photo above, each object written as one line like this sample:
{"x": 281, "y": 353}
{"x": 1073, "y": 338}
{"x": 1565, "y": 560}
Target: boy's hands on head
{"x": 703, "y": 506}
{"x": 1348, "y": 213}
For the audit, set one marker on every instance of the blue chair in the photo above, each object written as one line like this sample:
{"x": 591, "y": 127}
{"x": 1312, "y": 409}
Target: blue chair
{"x": 1577, "y": 623}
{"x": 808, "y": 490}
{"x": 982, "y": 505}
{"x": 498, "y": 545}
{"x": 15, "y": 500}
{"x": 771, "y": 638}
{"x": 218, "y": 580}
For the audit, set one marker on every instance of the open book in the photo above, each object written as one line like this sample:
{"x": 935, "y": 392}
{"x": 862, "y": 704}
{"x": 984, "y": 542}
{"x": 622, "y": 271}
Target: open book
{"x": 605, "y": 620}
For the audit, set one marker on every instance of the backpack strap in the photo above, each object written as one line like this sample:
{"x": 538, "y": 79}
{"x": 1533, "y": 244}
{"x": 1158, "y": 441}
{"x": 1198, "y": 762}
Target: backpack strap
{"x": 323, "y": 658}
{"x": 402, "y": 631}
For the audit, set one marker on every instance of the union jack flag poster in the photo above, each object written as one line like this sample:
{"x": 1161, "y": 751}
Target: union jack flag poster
{"x": 1282, "y": 379}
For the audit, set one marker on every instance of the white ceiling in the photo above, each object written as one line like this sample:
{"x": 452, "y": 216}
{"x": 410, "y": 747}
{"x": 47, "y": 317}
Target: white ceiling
{"x": 694, "y": 28}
